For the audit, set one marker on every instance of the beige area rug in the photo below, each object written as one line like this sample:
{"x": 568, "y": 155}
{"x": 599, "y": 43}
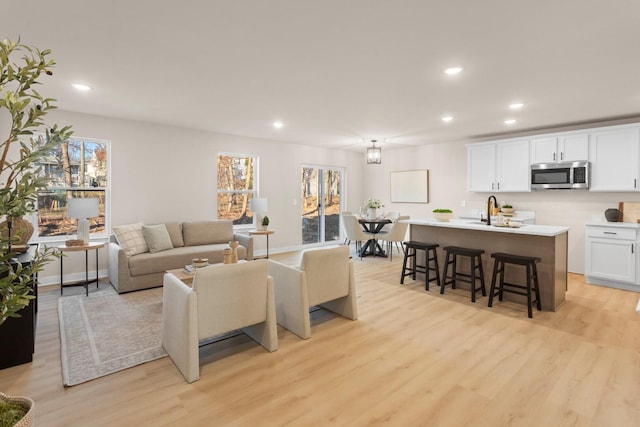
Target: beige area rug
{"x": 107, "y": 332}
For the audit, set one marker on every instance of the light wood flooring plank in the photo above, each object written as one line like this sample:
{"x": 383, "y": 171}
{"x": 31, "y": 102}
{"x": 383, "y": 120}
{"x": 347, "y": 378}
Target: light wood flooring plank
{"x": 413, "y": 358}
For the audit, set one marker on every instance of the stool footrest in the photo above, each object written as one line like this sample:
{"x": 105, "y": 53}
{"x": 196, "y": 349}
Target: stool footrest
{"x": 512, "y": 291}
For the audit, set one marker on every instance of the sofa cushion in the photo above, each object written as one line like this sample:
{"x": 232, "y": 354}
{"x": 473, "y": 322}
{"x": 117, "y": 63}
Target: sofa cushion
{"x": 207, "y": 232}
{"x": 175, "y": 232}
{"x": 159, "y": 262}
{"x": 131, "y": 239}
{"x": 157, "y": 238}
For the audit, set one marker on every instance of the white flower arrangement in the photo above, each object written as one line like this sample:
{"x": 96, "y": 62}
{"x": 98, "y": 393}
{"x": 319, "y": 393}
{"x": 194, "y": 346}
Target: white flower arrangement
{"x": 372, "y": 203}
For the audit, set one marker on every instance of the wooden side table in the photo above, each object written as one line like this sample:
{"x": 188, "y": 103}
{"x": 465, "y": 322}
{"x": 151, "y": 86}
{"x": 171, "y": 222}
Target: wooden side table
{"x": 86, "y": 248}
{"x": 262, "y": 233}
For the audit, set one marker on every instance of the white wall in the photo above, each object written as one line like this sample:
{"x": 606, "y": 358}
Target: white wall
{"x": 447, "y": 164}
{"x": 164, "y": 173}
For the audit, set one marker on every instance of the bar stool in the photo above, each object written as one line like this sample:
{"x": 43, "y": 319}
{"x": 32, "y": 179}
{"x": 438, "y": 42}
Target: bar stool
{"x": 475, "y": 263}
{"x": 431, "y": 262}
{"x": 501, "y": 259}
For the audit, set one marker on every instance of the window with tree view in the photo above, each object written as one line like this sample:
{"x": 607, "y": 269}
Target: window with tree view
{"x": 78, "y": 167}
{"x": 236, "y": 187}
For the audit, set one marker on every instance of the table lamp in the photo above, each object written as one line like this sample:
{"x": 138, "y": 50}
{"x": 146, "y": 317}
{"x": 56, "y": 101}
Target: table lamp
{"x": 258, "y": 206}
{"x": 82, "y": 209}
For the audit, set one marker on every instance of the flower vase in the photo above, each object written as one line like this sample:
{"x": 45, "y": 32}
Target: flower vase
{"x": 234, "y": 251}
{"x": 227, "y": 255}
{"x": 373, "y": 213}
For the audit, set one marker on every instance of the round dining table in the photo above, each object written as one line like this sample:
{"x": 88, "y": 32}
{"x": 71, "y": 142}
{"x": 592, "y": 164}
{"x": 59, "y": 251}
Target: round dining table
{"x": 374, "y": 226}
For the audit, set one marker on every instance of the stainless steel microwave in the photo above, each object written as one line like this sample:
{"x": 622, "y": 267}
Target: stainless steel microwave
{"x": 563, "y": 175}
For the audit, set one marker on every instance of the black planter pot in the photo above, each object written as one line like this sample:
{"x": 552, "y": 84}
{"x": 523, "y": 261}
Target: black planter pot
{"x": 17, "y": 335}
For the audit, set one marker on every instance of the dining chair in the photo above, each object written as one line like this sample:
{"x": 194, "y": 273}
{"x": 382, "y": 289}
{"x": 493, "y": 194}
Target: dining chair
{"x": 393, "y": 216}
{"x": 355, "y": 232}
{"x": 396, "y": 235}
{"x": 346, "y": 238}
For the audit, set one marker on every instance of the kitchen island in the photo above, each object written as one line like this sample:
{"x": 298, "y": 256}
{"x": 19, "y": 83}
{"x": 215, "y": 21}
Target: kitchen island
{"x": 544, "y": 241}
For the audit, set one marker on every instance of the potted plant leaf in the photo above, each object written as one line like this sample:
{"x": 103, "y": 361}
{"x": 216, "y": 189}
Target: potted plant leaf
{"x": 15, "y": 411}
{"x": 506, "y": 208}
{"x": 443, "y": 215}
{"x": 265, "y": 223}
{"x": 27, "y": 141}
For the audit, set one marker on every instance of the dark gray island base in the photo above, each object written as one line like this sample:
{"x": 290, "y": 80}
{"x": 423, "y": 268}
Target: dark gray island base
{"x": 546, "y": 242}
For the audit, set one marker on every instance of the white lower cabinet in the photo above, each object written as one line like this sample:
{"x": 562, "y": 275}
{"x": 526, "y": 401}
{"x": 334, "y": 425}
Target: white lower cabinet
{"x": 611, "y": 255}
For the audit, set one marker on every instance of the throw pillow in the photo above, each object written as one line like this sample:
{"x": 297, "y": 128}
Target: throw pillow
{"x": 175, "y": 232}
{"x": 131, "y": 239}
{"x": 157, "y": 237}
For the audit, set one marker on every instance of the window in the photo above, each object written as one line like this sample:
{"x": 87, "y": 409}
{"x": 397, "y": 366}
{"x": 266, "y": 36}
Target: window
{"x": 76, "y": 168}
{"x": 236, "y": 187}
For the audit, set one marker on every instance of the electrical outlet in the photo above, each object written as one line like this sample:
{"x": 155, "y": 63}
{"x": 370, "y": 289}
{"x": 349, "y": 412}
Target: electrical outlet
{"x": 463, "y": 203}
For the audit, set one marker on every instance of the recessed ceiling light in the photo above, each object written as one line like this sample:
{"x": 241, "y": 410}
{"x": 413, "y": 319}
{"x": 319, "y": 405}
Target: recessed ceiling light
{"x": 277, "y": 125}
{"x": 453, "y": 70}
{"x": 81, "y": 87}
{"x": 509, "y": 121}
{"x": 516, "y": 105}
{"x": 447, "y": 119}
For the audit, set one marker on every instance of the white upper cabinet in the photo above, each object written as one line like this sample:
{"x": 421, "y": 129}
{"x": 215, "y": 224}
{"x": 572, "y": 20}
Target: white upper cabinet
{"x": 614, "y": 159}
{"x": 512, "y": 173}
{"x": 498, "y": 166}
{"x": 481, "y": 167}
{"x": 573, "y": 147}
{"x": 560, "y": 148}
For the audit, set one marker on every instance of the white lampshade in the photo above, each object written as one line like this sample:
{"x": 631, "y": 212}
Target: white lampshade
{"x": 82, "y": 208}
{"x": 258, "y": 205}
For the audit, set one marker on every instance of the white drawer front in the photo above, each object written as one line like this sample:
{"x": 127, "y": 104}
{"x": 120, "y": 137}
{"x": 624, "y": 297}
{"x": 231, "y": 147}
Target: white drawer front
{"x": 611, "y": 232}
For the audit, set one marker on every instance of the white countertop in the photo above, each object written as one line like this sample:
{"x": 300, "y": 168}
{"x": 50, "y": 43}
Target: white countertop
{"x": 633, "y": 225}
{"x": 531, "y": 229}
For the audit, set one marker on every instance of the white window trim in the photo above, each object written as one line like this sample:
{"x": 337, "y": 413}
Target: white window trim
{"x": 33, "y": 218}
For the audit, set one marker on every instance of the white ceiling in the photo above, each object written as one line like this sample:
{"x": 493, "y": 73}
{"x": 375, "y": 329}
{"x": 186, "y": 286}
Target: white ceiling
{"x": 339, "y": 72}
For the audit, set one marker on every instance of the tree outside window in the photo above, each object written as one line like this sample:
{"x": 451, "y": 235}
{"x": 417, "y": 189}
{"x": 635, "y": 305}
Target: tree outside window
{"x": 236, "y": 187}
{"x": 78, "y": 167}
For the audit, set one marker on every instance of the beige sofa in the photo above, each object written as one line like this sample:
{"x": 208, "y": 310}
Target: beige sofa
{"x": 203, "y": 239}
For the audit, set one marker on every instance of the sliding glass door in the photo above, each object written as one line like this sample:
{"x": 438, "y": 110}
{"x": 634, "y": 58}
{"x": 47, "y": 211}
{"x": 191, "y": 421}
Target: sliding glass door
{"x": 321, "y": 204}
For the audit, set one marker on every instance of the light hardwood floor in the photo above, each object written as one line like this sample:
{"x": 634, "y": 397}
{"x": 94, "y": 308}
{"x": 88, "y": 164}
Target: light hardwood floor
{"x": 413, "y": 358}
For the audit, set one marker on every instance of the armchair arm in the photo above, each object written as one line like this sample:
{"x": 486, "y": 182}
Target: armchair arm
{"x": 180, "y": 326}
{"x": 292, "y": 300}
{"x": 246, "y": 241}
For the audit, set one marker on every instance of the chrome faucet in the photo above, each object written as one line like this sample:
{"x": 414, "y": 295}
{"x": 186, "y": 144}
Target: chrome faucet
{"x": 489, "y": 210}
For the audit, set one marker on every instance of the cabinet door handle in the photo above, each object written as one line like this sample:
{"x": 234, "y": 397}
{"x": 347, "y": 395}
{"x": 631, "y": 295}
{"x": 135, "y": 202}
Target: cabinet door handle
{"x": 561, "y": 156}
{"x": 610, "y": 232}
{"x": 498, "y": 186}
{"x": 492, "y": 185}
{"x": 632, "y": 248}
{"x": 554, "y": 157}
{"x": 634, "y": 182}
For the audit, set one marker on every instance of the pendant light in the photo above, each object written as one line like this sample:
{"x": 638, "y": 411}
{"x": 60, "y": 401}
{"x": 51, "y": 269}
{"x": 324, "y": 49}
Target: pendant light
{"x": 374, "y": 154}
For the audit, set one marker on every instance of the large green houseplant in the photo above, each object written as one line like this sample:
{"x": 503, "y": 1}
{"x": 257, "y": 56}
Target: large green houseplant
{"x": 24, "y": 144}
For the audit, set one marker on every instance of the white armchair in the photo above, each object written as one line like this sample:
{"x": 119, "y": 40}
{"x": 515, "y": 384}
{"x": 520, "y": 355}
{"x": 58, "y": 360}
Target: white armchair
{"x": 224, "y": 297}
{"x": 325, "y": 278}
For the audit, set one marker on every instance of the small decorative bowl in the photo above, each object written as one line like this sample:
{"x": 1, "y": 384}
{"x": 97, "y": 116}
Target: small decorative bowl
{"x": 200, "y": 262}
